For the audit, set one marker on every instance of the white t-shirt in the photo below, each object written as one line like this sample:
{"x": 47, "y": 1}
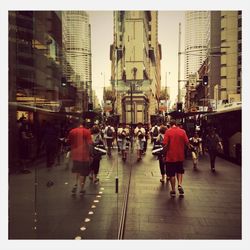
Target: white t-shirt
{"x": 143, "y": 131}
{"x": 119, "y": 131}
{"x": 105, "y": 132}
{"x": 152, "y": 130}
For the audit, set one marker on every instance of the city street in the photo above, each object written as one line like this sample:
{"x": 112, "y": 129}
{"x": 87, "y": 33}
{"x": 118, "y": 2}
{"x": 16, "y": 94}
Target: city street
{"x": 210, "y": 209}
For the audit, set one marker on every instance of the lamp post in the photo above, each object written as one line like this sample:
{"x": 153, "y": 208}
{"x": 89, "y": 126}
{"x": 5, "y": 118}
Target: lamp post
{"x": 131, "y": 94}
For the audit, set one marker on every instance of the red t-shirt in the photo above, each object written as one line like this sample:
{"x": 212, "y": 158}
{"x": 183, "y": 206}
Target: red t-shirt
{"x": 79, "y": 139}
{"x": 176, "y": 139}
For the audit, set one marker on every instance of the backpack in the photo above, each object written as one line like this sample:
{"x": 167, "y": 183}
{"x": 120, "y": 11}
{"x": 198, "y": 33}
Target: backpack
{"x": 155, "y": 132}
{"x": 140, "y": 134}
{"x": 109, "y": 132}
{"x": 122, "y": 135}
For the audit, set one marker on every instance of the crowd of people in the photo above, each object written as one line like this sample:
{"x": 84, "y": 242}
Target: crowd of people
{"x": 86, "y": 145}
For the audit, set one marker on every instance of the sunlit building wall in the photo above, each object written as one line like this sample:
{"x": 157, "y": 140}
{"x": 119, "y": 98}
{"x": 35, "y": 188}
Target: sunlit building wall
{"x": 135, "y": 55}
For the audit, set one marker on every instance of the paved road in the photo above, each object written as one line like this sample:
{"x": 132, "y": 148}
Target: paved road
{"x": 211, "y": 208}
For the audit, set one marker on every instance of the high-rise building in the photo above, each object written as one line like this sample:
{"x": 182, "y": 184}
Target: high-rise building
{"x": 35, "y": 70}
{"x": 135, "y": 70}
{"x": 196, "y": 40}
{"x": 231, "y": 67}
{"x": 77, "y": 52}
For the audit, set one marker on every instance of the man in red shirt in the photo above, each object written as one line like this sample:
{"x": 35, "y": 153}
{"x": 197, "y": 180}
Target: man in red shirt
{"x": 80, "y": 141}
{"x": 175, "y": 138}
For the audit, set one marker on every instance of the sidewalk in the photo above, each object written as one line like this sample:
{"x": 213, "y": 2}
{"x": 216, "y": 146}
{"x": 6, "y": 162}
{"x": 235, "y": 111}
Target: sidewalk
{"x": 211, "y": 208}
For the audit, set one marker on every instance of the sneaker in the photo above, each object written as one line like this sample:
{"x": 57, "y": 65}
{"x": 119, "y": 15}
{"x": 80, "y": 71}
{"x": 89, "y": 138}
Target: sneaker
{"x": 82, "y": 192}
{"x": 74, "y": 189}
{"x": 96, "y": 180}
{"x": 181, "y": 191}
{"x": 172, "y": 193}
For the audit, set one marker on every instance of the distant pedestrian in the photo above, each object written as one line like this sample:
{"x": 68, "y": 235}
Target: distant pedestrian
{"x": 50, "y": 140}
{"x": 122, "y": 135}
{"x": 161, "y": 157}
{"x": 196, "y": 148}
{"x": 25, "y": 136}
{"x": 213, "y": 145}
{"x": 80, "y": 142}
{"x": 154, "y": 132}
{"x": 95, "y": 164}
{"x": 140, "y": 133}
{"x": 109, "y": 135}
{"x": 175, "y": 140}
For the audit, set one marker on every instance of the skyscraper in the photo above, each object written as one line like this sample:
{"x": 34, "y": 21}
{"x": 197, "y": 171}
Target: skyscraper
{"x": 196, "y": 40}
{"x": 77, "y": 49}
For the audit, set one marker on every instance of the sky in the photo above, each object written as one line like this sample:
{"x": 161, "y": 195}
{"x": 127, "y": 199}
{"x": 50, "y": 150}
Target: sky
{"x": 168, "y": 35}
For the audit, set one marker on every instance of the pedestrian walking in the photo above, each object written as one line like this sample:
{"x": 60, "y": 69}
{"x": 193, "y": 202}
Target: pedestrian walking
{"x": 196, "y": 148}
{"x": 122, "y": 134}
{"x": 175, "y": 140}
{"x": 51, "y": 139}
{"x": 139, "y": 133}
{"x": 25, "y": 136}
{"x": 154, "y": 132}
{"x": 161, "y": 157}
{"x": 80, "y": 143}
{"x": 213, "y": 145}
{"x": 97, "y": 155}
{"x": 109, "y": 135}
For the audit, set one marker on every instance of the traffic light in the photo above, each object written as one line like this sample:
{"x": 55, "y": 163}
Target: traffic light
{"x": 179, "y": 106}
{"x": 63, "y": 82}
{"x": 205, "y": 80}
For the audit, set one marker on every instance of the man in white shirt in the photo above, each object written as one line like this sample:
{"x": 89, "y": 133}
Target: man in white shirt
{"x": 122, "y": 134}
{"x": 109, "y": 134}
{"x": 154, "y": 132}
{"x": 140, "y": 133}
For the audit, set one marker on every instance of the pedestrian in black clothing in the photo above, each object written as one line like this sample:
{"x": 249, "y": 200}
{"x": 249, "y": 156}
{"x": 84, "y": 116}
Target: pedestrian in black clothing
{"x": 213, "y": 145}
{"x": 95, "y": 164}
{"x": 51, "y": 138}
{"x": 24, "y": 144}
{"x": 161, "y": 157}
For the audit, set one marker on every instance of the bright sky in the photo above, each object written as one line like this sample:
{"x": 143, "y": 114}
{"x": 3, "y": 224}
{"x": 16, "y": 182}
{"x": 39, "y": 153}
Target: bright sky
{"x": 102, "y": 37}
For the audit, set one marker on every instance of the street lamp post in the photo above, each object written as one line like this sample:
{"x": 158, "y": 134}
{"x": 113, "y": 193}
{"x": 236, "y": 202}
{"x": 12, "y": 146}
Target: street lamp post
{"x": 131, "y": 94}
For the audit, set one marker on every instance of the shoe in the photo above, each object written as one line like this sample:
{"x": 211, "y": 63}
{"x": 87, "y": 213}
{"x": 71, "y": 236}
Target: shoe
{"x": 213, "y": 170}
{"x": 181, "y": 191}
{"x": 74, "y": 189}
{"x": 82, "y": 192}
{"x": 96, "y": 180}
{"x": 90, "y": 177}
{"x": 172, "y": 193}
{"x": 168, "y": 179}
{"x": 162, "y": 181}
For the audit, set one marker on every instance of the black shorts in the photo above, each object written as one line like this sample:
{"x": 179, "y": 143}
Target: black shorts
{"x": 173, "y": 168}
{"x": 81, "y": 167}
